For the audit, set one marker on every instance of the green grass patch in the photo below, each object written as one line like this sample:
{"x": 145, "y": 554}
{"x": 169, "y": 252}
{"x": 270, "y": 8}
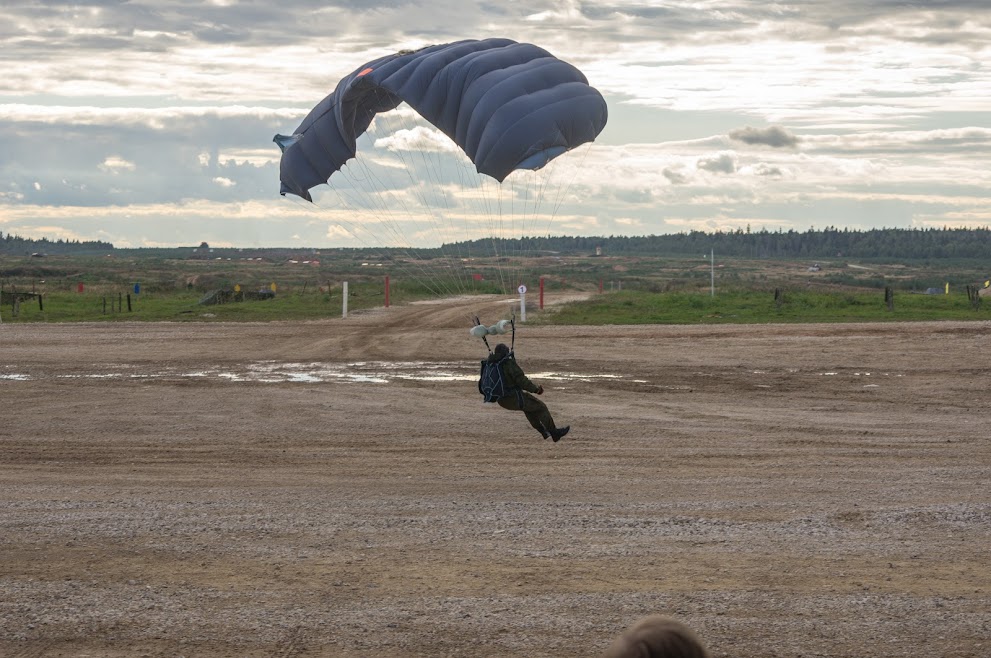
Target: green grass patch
{"x": 185, "y": 307}
{"x": 749, "y": 306}
{"x": 625, "y": 307}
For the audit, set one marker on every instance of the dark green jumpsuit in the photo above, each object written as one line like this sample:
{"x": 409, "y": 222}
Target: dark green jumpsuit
{"x": 535, "y": 410}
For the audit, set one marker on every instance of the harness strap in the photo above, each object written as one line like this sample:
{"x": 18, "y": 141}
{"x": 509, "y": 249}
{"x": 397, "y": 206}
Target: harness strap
{"x": 512, "y": 323}
{"x": 484, "y": 339}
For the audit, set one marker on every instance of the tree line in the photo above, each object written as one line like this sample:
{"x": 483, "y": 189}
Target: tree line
{"x": 15, "y": 245}
{"x": 830, "y": 242}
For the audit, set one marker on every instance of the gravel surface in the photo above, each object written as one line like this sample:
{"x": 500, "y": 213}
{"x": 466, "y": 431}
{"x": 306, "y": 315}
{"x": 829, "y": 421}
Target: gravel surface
{"x": 337, "y": 488}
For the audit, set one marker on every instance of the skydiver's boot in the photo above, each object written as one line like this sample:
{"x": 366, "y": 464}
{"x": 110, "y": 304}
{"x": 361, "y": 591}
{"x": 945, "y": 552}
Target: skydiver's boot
{"x": 559, "y": 433}
{"x": 544, "y": 433}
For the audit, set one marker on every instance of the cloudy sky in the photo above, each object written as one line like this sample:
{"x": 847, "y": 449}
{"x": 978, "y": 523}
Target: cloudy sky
{"x": 150, "y": 122}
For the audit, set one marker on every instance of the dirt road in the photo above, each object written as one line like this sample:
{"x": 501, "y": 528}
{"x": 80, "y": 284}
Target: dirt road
{"x": 337, "y": 488}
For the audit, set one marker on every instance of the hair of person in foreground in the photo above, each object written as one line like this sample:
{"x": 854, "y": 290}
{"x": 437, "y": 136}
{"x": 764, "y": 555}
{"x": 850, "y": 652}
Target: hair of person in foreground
{"x": 657, "y": 636}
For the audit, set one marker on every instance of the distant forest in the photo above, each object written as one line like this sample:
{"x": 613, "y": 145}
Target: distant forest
{"x": 14, "y": 245}
{"x": 830, "y": 242}
{"x": 887, "y": 244}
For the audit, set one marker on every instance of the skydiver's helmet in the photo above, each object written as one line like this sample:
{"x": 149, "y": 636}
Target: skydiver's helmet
{"x": 501, "y": 351}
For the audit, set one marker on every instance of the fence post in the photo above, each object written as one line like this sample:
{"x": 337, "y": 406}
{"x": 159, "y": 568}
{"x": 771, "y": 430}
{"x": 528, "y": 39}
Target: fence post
{"x": 974, "y": 296}
{"x": 889, "y": 298}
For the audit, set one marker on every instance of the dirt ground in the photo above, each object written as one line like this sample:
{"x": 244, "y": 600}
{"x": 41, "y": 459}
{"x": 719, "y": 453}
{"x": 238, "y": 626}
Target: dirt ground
{"x": 337, "y": 488}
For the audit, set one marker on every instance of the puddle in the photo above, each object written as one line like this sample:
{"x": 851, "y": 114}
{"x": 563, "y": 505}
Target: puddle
{"x": 365, "y": 372}
{"x": 864, "y": 374}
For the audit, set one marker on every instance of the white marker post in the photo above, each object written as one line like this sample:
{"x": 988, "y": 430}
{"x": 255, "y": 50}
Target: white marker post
{"x": 712, "y": 272}
{"x": 344, "y": 302}
{"x": 522, "y": 291}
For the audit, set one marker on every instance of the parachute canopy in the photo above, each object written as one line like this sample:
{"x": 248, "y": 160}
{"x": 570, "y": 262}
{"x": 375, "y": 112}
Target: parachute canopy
{"x": 508, "y": 105}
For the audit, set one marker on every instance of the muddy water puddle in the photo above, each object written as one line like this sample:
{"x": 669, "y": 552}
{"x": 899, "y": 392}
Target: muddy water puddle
{"x": 272, "y": 372}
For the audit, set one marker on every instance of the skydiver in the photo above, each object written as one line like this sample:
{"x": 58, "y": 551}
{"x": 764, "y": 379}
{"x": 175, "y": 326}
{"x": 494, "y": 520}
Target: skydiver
{"x": 517, "y": 397}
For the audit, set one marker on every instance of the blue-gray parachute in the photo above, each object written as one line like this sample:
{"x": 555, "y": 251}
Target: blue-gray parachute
{"x": 508, "y": 105}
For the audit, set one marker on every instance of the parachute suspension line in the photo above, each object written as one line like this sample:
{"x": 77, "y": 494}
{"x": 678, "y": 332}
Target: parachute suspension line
{"x": 508, "y": 236}
{"x": 521, "y": 184}
{"x": 527, "y": 184}
{"x": 439, "y": 209}
{"x": 517, "y": 227}
{"x": 484, "y": 338}
{"x": 382, "y": 213}
{"x": 473, "y": 193}
{"x": 455, "y": 285}
{"x": 478, "y": 209}
{"x": 428, "y": 209}
{"x": 356, "y": 234}
{"x": 432, "y": 176}
{"x": 314, "y": 207}
{"x": 563, "y": 190}
{"x": 491, "y": 194}
{"x": 538, "y": 186}
{"x": 500, "y": 234}
{"x": 433, "y": 283}
{"x": 390, "y": 226}
{"x": 549, "y": 189}
{"x": 512, "y": 342}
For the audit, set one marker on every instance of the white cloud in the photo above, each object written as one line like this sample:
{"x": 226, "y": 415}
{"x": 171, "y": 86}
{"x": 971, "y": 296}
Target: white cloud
{"x": 773, "y": 136}
{"x": 721, "y": 113}
{"x": 720, "y": 163}
{"x": 115, "y": 164}
{"x": 418, "y": 139}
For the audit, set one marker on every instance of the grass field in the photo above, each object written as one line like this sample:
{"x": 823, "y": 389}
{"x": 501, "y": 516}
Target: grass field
{"x": 635, "y": 289}
{"x": 751, "y": 306}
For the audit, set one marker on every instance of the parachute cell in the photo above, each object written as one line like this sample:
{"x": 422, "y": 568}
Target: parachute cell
{"x": 507, "y": 105}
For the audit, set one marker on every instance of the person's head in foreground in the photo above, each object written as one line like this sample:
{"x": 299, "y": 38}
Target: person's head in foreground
{"x": 657, "y": 637}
